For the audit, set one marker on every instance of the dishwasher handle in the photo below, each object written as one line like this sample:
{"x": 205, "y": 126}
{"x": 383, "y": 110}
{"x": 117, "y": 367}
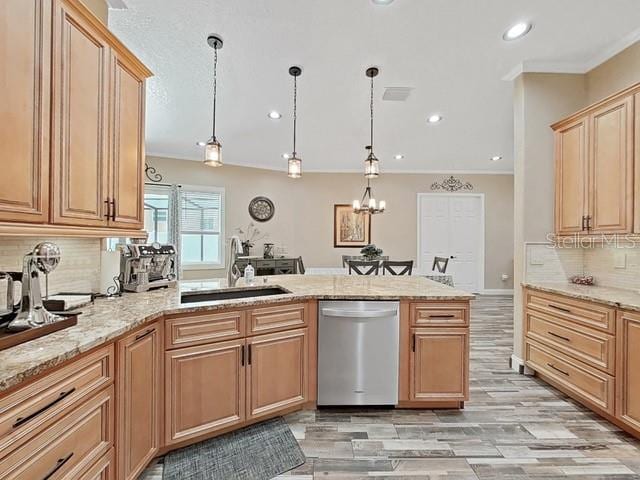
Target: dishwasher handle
{"x": 339, "y": 312}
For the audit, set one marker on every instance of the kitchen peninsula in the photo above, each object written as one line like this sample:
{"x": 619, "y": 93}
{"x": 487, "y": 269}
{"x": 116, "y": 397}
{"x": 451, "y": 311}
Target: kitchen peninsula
{"x": 147, "y": 373}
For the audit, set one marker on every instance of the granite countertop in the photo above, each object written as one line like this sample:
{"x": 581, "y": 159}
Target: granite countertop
{"x": 616, "y": 297}
{"x": 107, "y": 319}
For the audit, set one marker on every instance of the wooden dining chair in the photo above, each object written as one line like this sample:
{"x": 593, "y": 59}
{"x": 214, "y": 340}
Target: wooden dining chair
{"x": 397, "y": 268}
{"x": 363, "y": 268}
{"x": 440, "y": 264}
{"x": 300, "y": 269}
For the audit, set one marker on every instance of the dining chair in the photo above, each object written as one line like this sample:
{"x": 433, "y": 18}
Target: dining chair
{"x": 363, "y": 267}
{"x": 347, "y": 258}
{"x": 301, "y": 269}
{"x": 440, "y": 264}
{"x": 397, "y": 267}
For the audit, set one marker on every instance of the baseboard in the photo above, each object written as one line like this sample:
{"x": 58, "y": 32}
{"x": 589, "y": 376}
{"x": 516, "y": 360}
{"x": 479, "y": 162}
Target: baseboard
{"x": 497, "y": 291}
{"x": 516, "y": 364}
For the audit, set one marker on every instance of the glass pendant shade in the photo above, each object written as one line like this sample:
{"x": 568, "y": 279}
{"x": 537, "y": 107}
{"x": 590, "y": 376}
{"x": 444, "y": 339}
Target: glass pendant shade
{"x": 371, "y": 166}
{"x": 294, "y": 169}
{"x": 213, "y": 153}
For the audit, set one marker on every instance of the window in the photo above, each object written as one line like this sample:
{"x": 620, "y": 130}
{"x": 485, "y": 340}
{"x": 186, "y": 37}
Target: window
{"x": 202, "y": 227}
{"x": 156, "y": 215}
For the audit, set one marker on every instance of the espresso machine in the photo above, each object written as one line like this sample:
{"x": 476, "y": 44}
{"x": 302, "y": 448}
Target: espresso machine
{"x": 145, "y": 267}
{"x": 31, "y": 312}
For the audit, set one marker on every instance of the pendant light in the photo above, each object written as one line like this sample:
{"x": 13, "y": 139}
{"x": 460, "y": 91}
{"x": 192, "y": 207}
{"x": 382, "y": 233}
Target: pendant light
{"x": 294, "y": 168}
{"x": 213, "y": 148}
{"x": 368, "y": 204}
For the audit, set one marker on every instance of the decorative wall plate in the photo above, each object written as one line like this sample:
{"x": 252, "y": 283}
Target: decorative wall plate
{"x": 261, "y": 209}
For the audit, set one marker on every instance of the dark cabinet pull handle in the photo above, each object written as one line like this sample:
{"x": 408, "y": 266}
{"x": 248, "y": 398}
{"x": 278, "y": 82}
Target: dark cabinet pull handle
{"x": 249, "y": 354}
{"x": 142, "y": 335}
{"x": 22, "y": 420}
{"x": 589, "y": 223}
{"x": 442, "y": 316}
{"x": 560, "y": 337}
{"x": 59, "y": 464}
{"x": 242, "y": 355}
{"x": 558, "y": 370}
{"x": 565, "y": 310}
{"x": 108, "y": 203}
{"x": 413, "y": 342}
{"x": 113, "y": 209}
{"x": 584, "y": 223}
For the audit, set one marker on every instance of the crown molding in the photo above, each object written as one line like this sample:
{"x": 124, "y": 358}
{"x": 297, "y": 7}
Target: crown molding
{"x": 117, "y": 5}
{"x": 534, "y": 66}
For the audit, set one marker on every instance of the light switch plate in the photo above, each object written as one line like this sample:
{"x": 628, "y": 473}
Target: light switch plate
{"x": 620, "y": 260}
{"x": 535, "y": 258}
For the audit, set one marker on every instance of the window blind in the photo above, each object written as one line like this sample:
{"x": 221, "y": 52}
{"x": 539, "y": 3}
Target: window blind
{"x": 200, "y": 212}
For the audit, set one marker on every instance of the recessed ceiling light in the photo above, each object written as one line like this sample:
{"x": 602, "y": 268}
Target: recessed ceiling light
{"x": 517, "y": 31}
{"x": 399, "y": 156}
{"x": 286, "y": 156}
{"x": 273, "y": 115}
{"x": 382, "y": 2}
{"x": 434, "y": 118}
{"x": 496, "y": 158}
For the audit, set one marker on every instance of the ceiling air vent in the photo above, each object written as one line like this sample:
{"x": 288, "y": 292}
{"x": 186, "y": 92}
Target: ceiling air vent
{"x": 396, "y": 94}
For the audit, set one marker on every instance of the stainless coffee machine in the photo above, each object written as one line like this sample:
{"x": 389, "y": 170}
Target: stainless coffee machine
{"x": 147, "y": 266}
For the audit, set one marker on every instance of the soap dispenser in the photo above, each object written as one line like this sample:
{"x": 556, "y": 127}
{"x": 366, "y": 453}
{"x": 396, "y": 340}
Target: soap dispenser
{"x": 249, "y": 273}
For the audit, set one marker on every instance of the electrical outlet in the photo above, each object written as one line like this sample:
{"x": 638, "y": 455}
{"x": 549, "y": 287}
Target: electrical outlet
{"x": 505, "y": 277}
{"x": 535, "y": 258}
{"x": 620, "y": 260}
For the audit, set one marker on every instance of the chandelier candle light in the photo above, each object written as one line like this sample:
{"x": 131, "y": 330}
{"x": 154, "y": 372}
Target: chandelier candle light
{"x": 294, "y": 169}
{"x": 371, "y": 166}
{"x": 213, "y": 148}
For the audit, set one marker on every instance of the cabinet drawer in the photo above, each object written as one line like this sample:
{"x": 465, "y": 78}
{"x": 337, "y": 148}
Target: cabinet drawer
{"x": 201, "y": 329}
{"x": 273, "y": 319}
{"x": 42, "y": 402}
{"x": 576, "y": 378}
{"x": 580, "y": 312}
{"x": 440, "y": 314}
{"x": 591, "y": 346}
{"x": 103, "y": 469}
{"x": 285, "y": 263}
{"x": 68, "y": 447}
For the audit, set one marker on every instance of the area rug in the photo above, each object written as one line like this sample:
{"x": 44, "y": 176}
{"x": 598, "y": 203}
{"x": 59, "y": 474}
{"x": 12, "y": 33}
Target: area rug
{"x": 257, "y": 452}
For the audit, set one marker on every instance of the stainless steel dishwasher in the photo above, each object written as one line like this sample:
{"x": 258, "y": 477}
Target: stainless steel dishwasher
{"x": 358, "y": 349}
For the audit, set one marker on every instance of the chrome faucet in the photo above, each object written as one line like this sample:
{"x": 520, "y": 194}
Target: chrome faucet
{"x": 233, "y": 272}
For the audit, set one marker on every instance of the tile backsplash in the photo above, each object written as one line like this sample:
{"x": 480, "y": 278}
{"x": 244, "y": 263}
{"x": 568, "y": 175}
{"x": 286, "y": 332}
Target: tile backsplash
{"x": 610, "y": 265}
{"x": 79, "y": 269}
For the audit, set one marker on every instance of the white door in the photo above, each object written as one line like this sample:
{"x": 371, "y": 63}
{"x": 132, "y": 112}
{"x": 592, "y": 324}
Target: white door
{"x": 452, "y": 225}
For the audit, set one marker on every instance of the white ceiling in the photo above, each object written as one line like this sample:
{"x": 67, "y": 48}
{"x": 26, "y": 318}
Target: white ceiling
{"x": 450, "y": 52}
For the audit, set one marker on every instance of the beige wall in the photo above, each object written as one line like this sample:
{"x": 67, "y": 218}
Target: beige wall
{"x": 304, "y": 210}
{"x": 540, "y": 99}
{"x": 615, "y": 74}
{"x": 99, "y": 8}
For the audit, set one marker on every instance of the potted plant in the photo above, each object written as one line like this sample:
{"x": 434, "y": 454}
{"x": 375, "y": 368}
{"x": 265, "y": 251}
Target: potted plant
{"x": 248, "y": 237}
{"x": 371, "y": 252}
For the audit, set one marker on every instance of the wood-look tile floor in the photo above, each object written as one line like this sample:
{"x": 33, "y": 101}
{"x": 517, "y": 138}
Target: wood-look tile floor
{"x": 514, "y": 427}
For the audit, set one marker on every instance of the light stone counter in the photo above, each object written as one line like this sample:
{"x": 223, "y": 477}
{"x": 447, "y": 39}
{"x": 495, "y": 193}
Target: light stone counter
{"x": 108, "y": 319}
{"x": 615, "y": 297}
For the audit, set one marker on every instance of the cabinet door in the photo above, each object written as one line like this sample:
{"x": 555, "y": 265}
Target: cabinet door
{"x": 571, "y": 178}
{"x": 628, "y": 374}
{"x": 127, "y": 150}
{"x": 139, "y": 396}
{"x": 205, "y": 389}
{"x": 611, "y": 165}
{"x": 24, "y": 110}
{"x": 439, "y": 364}
{"x": 276, "y": 372}
{"x": 636, "y": 168}
{"x": 80, "y": 120}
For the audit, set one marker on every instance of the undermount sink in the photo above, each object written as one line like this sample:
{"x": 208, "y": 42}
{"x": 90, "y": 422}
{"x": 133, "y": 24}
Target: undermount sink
{"x": 194, "y": 297}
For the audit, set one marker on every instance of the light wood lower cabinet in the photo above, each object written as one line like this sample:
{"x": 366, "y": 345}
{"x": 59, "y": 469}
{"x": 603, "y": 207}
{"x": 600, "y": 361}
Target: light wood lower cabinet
{"x": 276, "y": 372}
{"x": 25, "y": 34}
{"x": 628, "y": 369}
{"x": 205, "y": 389}
{"x": 438, "y": 364}
{"x": 139, "y": 398}
{"x": 103, "y": 469}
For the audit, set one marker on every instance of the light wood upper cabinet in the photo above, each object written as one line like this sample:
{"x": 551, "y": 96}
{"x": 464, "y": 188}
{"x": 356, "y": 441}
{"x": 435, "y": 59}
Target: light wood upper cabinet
{"x": 571, "y": 177}
{"x": 139, "y": 397}
{"x": 595, "y": 154}
{"x": 448, "y": 349}
{"x": 25, "y": 34}
{"x": 127, "y": 150}
{"x": 205, "y": 389}
{"x": 628, "y": 375}
{"x": 80, "y": 116}
{"x": 276, "y": 372}
{"x": 611, "y": 163}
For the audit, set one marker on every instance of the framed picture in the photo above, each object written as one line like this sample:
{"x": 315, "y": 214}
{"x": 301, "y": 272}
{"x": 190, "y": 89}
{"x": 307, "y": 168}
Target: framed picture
{"x": 350, "y": 230}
